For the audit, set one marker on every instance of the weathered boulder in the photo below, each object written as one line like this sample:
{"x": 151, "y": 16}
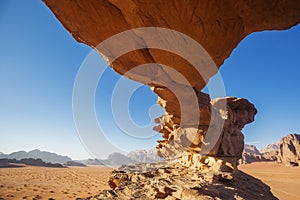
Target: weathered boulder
{"x": 237, "y": 114}
{"x": 226, "y": 140}
{"x": 289, "y": 150}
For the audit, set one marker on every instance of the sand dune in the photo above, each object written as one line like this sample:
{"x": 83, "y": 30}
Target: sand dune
{"x": 284, "y": 181}
{"x": 52, "y": 183}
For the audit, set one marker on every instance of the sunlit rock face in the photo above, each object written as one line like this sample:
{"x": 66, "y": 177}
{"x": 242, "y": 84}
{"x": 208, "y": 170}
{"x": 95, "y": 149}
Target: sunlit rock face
{"x": 226, "y": 126}
{"x": 289, "y": 150}
{"x": 218, "y": 26}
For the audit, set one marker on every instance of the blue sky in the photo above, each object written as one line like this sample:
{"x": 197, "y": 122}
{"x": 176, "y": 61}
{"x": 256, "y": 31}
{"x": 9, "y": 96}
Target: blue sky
{"x": 39, "y": 61}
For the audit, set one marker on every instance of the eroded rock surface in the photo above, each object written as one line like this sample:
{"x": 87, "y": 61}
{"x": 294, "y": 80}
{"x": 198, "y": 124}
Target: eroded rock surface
{"x": 220, "y": 137}
{"x": 171, "y": 181}
{"x": 289, "y": 150}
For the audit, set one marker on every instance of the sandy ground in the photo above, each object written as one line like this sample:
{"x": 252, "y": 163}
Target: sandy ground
{"x": 78, "y": 182}
{"x": 52, "y": 183}
{"x": 284, "y": 181}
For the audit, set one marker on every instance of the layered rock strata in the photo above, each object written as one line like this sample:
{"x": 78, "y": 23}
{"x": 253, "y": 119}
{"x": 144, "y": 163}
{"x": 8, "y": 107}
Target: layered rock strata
{"x": 220, "y": 136}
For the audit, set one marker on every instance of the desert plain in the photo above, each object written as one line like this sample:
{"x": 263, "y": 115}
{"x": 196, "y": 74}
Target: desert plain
{"x": 79, "y": 182}
{"x": 52, "y": 183}
{"x": 284, "y": 181}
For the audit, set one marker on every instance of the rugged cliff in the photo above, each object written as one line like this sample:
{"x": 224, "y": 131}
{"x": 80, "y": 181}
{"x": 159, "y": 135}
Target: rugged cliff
{"x": 289, "y": 150}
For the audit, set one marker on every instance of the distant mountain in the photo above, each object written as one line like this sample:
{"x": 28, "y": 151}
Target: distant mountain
{"x": 118, "y": 159}
{"x": 251, "y": 149}
{"x": 37, "y": 154}
{"x": 271, "y": 151}
{"x": 286, "y": 151}
{"x": 270, "y": 147}
{"x": 92, "y": 162}
{"x": 5, "y": 162}
{"x": 133, "y": 157}
{"x": 251, "y": 154}
{"x": 144, "y": 156}
{"x": 74, "y": 164}
{"x": 113, "y": 159}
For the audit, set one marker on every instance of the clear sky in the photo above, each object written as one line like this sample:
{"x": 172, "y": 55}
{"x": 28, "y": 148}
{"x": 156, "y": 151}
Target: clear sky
{"x": 39, "y": 61}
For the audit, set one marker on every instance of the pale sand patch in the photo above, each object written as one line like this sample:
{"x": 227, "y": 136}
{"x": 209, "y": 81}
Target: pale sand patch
{"x": 52, "y": 183}
{"x": 284, "y": 181}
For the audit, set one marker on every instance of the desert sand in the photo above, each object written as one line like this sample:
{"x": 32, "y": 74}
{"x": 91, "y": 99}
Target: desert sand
{"x": 284, "y": 181}
{"x": 52, "y": 183}
{"x": 79, "y": 182}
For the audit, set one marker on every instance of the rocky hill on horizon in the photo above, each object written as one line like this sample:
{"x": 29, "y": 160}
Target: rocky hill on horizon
{"x": 252, "y": 149}
{"x": 286, "y": 151}
{"x": 289, "y": 150}
{"x": 144, "y": 156}
{"x": 251, "y": 154}
{"x": 133, "y": 157}
{"x": 37, "y": 154}
{"x": 13, "y": 163}
{"x": 114, "y": 159}
{"x": 270, "y": 147}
